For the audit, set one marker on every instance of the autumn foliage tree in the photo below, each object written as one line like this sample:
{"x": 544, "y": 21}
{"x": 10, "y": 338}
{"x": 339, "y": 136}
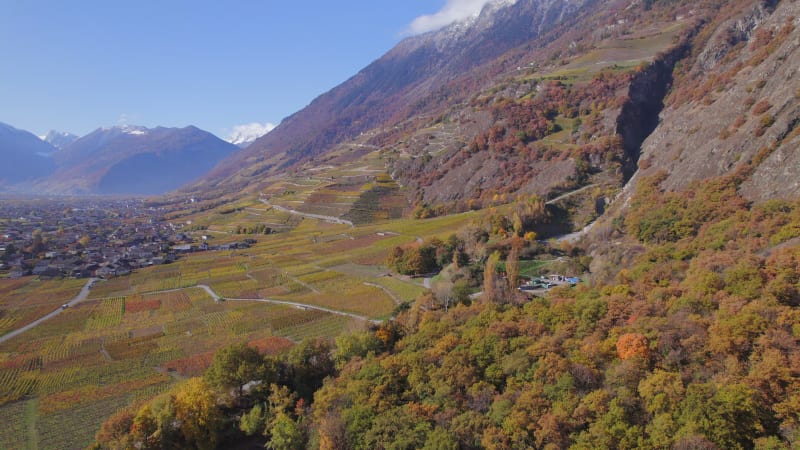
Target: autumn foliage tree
{"x": 631, "y": 345}
{"x": 234, "y": 366}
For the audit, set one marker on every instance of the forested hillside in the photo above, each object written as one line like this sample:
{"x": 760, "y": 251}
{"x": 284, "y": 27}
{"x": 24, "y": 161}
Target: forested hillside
{"x": 694, "y": 344}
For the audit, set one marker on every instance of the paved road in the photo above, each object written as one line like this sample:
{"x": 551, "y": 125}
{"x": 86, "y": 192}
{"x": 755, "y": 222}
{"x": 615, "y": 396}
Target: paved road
{"x": 79, "y": 298}
{"x": 210, "y": 291}
{"x": 330, "y": 219}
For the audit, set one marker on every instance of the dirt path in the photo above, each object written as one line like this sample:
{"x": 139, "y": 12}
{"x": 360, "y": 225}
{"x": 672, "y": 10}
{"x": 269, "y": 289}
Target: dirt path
{"x": 217, "y": 298}
{"x": 303, "y": 306}
{"x": 397, "y": 300}
{"x": 330, "y": 219}
{"x": 577, "y": 235}
{"x": 569, "y": 194}
{"x": 302, "y": 283}
{"x": 77, "y": 299}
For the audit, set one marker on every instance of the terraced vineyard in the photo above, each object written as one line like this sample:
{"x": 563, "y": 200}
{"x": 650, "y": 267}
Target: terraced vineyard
{"x": 136, "y": 335}
{"x": 60, "y": 380}
{"x": 26, "y": 299}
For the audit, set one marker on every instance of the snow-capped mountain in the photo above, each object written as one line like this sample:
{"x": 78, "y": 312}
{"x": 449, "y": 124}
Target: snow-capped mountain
{"x": 244, "y": 135}
{"x": 59, "y": 139}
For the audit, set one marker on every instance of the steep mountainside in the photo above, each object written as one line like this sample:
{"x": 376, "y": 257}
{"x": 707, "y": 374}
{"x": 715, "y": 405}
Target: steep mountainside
{"x": 530, "y": 97}
{"x": 24, "y": 156}
{"x": 134, "y": 160}
{"x": 409, "y": 80}
{"x": 736, "y": 100}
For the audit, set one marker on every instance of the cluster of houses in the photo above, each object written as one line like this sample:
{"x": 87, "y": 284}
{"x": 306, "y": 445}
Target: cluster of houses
{"x": 103, "y": 240}
{"x": 545, "y": 283}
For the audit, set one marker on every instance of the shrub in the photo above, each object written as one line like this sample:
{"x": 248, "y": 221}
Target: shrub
{"x": 761, "y": 107}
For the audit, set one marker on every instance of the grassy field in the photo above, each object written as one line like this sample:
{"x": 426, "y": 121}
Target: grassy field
{"x": 533, "y": 268}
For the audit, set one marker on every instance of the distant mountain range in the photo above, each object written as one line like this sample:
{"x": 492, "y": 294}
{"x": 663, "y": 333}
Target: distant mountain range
{"x": 122, "y": 160}
{"x": 25, "y": 157}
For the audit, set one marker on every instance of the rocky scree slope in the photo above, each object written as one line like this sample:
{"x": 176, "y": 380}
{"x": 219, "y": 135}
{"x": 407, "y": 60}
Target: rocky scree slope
{"x": 736, "y": 100}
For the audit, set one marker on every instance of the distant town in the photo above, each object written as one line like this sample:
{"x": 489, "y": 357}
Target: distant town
{"x": 82, "y": 238}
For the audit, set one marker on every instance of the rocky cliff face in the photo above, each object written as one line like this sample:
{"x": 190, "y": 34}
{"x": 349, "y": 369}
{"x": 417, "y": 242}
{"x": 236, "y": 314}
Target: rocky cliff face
{"x": 638, "y": 117}
{"x": 736, "y": 101}
{"x": 547, "y": 132}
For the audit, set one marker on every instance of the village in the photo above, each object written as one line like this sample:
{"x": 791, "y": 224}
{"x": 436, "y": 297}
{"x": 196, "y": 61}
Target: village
{"x": 100, "y": 238}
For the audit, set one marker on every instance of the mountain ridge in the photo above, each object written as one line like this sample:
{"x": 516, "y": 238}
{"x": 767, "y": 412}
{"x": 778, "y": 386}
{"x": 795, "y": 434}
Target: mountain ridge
{"x": 117, "y": 160}
{"x": 603, "y": 76}
{"x": 29, "y": 154}
{"x": 136, "y": 160}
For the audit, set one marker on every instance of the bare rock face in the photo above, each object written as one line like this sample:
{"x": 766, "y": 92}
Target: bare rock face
{"x": 777, "y": 176}
{"x": 739, "y": 103}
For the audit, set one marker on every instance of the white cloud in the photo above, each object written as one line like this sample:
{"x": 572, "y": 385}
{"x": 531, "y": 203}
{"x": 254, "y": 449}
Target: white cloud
{"x": 249, "y": 132}
{"x": 453, "y": 10}
{"x": 126, "y": 119}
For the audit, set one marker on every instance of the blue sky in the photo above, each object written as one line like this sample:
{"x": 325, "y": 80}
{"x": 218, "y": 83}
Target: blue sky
{"x": 79, "y": 65}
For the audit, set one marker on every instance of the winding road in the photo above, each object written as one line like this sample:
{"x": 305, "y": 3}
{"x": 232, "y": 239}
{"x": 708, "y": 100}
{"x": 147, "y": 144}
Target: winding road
{"x": 85, "y": 293}
{"x": 77, "y": 299}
